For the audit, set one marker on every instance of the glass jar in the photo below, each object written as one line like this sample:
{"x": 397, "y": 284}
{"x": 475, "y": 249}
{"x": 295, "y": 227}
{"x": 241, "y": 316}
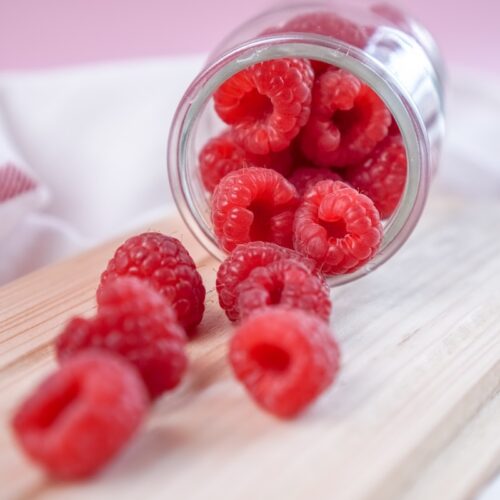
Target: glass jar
{"x": 398, "y": 59}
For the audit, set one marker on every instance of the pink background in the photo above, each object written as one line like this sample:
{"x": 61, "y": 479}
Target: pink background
{"x": 48, "y": 33}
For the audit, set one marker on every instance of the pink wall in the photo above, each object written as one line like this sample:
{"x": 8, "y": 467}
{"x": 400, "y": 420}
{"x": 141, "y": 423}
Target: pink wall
{"x": 47, "y": 33}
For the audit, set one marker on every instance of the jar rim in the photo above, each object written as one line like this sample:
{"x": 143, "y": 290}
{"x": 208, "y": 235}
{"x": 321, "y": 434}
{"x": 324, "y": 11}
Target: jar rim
{"x": 310, "y": 46}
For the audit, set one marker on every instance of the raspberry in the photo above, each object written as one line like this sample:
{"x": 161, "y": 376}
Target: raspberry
{"x": 382, "y": 177}
{"x": 236, "y": 268}
{"x": 285, "y": 359}
{"x": 81, "y": 415}
{"x": 253, "y": 204}
{"x": 338, "y": 227}
{"x": 167, "y": 266}
{"x": 267, "y": 103}
{"x": 348, "y": 120}
{"x": 222, "y": 155}
{"x": 136, "y": 322}
{"x": 303, "y": 178}
{"x": 329, "y": 24}
{"x": 287, "y": 283}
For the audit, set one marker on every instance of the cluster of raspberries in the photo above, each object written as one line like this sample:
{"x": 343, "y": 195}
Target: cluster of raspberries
{"x": 311, "y": 163}
{"x": 150, "y": 302}
{"x": 312, "y": 160}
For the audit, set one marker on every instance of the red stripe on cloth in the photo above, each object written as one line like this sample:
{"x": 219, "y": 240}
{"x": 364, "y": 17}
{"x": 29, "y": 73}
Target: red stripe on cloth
{"x": 14, "y": 182}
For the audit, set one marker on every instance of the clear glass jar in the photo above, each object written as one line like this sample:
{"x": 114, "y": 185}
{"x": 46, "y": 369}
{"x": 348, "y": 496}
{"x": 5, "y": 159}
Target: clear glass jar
{"x": 398, "y": 60}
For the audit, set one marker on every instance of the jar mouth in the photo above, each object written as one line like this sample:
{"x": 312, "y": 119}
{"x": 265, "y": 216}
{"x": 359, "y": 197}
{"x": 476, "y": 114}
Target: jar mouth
{"x": 186, "y": 190}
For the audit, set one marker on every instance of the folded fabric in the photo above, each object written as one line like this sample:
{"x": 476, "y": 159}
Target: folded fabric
{"x": 21, "y": 192}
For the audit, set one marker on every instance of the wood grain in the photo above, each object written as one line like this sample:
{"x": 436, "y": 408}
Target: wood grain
{"x": 421, "y": 367}
{"x": 462, "y": 467}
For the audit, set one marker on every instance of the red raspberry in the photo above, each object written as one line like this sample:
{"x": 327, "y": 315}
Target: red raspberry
{"x": 136, "y": 322}
{"x": 237, "y": 267}
{"x": 288, "y": 283}
{"x": 222, "y": 155}
{"x": 253, "y": 204}
{"x": 348, "y": 120}
{"x": 329, "y": 24}
{"x": 382, "y": 177}
{"x": 285, "y": 359}
{"x": 267, "y": 103}
{"x": 134, "y": 295}
{"x": 167, "y": 266}
{"x": 303, "y": 178}
{"x": 338, "y": 227}
{"x": 82, "y": 415}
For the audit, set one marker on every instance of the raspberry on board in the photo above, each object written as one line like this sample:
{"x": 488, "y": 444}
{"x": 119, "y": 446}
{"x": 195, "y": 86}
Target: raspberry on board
{"x": 382, "y": 177}
{"x": 136, "y": 322}
{"x": 166, "y": 265}
{"x": 253, "y": 204}
{"x": 347, "y": 121}
{"x": 287, "y": 283}
{"x": 80, "y": 417}
{"x": 240, "y": 263}
{"x": 303, "y": 178}
{"x": 267, "y": 104}
{"x": 222, "y": 155}
{"x": 338, "y": 227}
{"x": 284, "y": 358}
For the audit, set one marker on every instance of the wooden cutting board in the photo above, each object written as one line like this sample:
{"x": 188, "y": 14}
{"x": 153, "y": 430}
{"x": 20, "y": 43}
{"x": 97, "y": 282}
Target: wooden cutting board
{"x": 415, "y": 413}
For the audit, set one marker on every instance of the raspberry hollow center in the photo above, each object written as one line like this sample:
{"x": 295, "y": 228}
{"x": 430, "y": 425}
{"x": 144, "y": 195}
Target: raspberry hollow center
{"x": 345, "y": 120}
{"x": 255, "y": 106}
{"x": 335, "y": 229}
{"x": 275, "y": 294}
{"x": 271, "y": 357}
{"x": 260, "y": 229}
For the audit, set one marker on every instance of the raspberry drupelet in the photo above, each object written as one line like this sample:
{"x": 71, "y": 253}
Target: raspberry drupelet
{"x": 267, "y": 104}
{"x": 347, "y": 121}
{"x": 382, "y": 177}
{"x": 253, "y": 204}
{"x": 241, "y": 262}
{"x": 82, "y": 415}
{"x": 164, "y": 263}
{"x": 222, "y": 155}
{"x": 136, "y": 322}
{"x": 338, "y": 227}
{"x": 287, "y": 283}
{"x": 284, "y": 358}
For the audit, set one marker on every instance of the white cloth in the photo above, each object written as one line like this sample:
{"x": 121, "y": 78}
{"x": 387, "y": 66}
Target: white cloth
{"x": 89, "y": 145}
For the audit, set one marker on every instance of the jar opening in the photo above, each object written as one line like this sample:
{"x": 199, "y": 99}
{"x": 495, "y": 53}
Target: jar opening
{"x": 193, "y": 201}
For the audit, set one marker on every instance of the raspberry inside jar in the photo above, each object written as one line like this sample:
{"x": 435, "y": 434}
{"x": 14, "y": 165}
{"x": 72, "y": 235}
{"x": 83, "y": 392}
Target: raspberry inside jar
{"x": 332, "y": 121}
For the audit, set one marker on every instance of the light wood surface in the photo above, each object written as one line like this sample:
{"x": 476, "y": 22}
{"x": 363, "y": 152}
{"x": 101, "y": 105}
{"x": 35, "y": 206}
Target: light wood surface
{"x": 413, "y": 415}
